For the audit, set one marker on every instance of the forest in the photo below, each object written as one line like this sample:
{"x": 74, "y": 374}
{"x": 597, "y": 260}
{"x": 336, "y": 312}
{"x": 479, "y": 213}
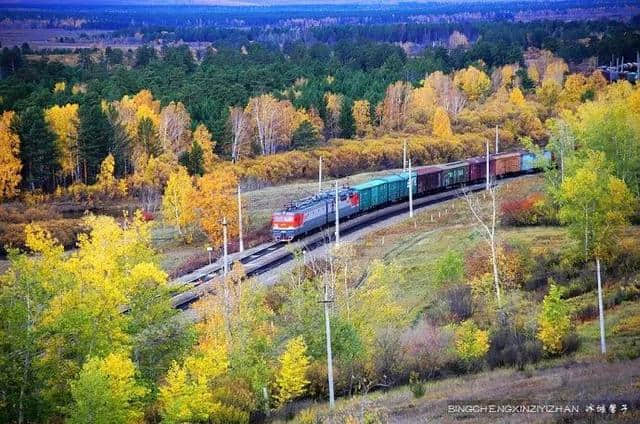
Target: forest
{"x": 88, "y": 333}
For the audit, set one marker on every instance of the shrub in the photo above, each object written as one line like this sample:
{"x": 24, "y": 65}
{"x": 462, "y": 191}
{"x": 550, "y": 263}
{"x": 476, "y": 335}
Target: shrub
{"x": 586, "y": 312}
{"x": 529, "y": 210}
{"x": 389, "y": 356}
{"x": 554, "y": 322}
{"x": 317, "y": 376}
{"x": 18, "y": 214}
{"x": 416, "y": 385}
{"x": 471, "y": 342}
{"x": 308, "y": 416}
{"x": 428, "y": 349}
{"x": 449, "y": 268}
{"x": 66, "y": 231}
{"x": 511, "y": 345}
{"x": 629, "y": 326}
{"x": 460, "y": 302}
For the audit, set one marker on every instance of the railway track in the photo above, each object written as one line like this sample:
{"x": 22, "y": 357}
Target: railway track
{"x": 270, "y": 255}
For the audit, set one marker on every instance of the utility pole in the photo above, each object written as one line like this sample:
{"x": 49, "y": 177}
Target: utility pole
{"x": 320, "y": 175}
{"x": 410, "y": 191}
{"x": 326, "y": 301}
{"x": 404, "y": 156}
{"x": 603, "y": 343}
{"x": 337, "y": 215}
{"x": 497, "y": 139}
{"x": 225, "y": 267}
{"x": 487, "y": 175}
{"x": 240, "y": 219}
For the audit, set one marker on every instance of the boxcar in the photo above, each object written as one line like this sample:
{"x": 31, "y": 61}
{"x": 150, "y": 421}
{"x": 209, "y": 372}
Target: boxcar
{"x": 478, "y": 168}
{"x": 372, "y": 194}
{"x": 428, "y": 179}
{"x": 507, "y": 163}
{"x": 404, "y": 187}
{"x": 394, "y": 187}
{"x": 455, "y": 173}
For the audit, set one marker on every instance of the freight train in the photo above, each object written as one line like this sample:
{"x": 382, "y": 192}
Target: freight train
{"x": 317, "y": 211}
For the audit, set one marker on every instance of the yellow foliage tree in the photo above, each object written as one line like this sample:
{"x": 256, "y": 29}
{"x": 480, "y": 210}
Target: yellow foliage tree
{"x": 187, "y": 394}
{"x": 516, "y": 97}
{"x": 507, "y": 76}
{"x": 334, "y": 107}
{"x": 294, "y": 363}
{"x": 471, "y": 342}
{"x": 574, "y": 88}
{"x": 59, "y": 87}
{"x": 215, "y": 201}
{"x": 177, "y": 203}
{"x": 10, "y": 165}
{"x": 473, "y": 82}
{"x": 63, "y": 121}
{"x": 106, "y": 182}
{"x": 548, "y": 92}
{"x": 441, "y": 124}
{"x": 554, "y": 322}
{"x": 555, "y": 71}
{"x": 422, "y": 104}
{"x": 106, "y": 392}
{"x": 362, "y": 118}
{"x": 203, "y": 137}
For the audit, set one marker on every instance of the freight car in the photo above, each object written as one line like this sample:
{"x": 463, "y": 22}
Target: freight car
{"x": 317, "y": 211}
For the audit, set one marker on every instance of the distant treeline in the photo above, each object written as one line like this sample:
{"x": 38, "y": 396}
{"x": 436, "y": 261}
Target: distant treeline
{"x": 125, "y": 16}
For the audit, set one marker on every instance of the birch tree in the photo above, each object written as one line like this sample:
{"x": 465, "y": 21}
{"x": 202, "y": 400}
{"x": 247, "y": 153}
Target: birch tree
{"x": 596, "y": 206}
{"x": 240, "y": 126}
{"x": 486, "y": 217}
{"x": 174, "y": 128}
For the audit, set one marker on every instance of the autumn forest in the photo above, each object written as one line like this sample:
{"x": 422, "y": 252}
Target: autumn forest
{"x": 118, "y": 166}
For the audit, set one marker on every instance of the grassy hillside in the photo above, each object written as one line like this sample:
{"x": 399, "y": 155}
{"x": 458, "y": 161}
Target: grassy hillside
{"x": 415, "y": 248}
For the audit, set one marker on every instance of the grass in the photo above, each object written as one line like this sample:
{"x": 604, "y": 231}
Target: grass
{"x": 568, "y": 384}
{"x": 620, "y": 344}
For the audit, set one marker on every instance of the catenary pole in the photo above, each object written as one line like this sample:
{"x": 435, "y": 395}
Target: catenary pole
{"x": 497, "y": 140}
{"x": 404, "y": 156}
{"x": 225, "y": 268}
{"x": 337, "y": 215}
{"x": 327, "y": 326}
{"x": 410, "y": 181}
{"x": 241, "y": 248}
{"x": 487, "y": 170}
{"x": 320, "y": 175}
{"x": 603, "y": 343}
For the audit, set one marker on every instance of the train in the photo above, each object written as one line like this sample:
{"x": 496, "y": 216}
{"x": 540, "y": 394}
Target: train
{"x": 314, "y": 212}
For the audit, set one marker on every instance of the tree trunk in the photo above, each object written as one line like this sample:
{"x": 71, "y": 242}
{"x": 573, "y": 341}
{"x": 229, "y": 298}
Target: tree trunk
{"x": 496, "y": 277}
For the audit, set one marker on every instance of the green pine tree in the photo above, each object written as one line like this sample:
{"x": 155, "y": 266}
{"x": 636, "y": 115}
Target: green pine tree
{"x": 38, "y": 151}
{"x": 347, "y": 124}
{"x": 95, "y": 138}
{"x": 305, "y": 136}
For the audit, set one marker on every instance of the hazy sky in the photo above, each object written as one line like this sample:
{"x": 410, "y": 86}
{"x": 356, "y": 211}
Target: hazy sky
{"x": 243, "y": 2}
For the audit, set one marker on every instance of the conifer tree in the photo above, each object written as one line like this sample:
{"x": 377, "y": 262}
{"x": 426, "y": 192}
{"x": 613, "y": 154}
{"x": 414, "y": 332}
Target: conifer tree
{"x": 95, "y": 138}
{"x": 38, "y": 152}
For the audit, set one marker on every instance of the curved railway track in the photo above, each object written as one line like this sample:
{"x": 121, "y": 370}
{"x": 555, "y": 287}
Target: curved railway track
{"x": 267, "y": 256}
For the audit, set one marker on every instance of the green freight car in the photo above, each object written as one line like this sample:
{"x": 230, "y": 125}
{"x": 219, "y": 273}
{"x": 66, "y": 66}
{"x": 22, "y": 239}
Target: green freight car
{"x": 454, "y": 173}
{"x": 404, "y": 187}
{"x": 372, "y": 194}
{"x": 394, "y": 187}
